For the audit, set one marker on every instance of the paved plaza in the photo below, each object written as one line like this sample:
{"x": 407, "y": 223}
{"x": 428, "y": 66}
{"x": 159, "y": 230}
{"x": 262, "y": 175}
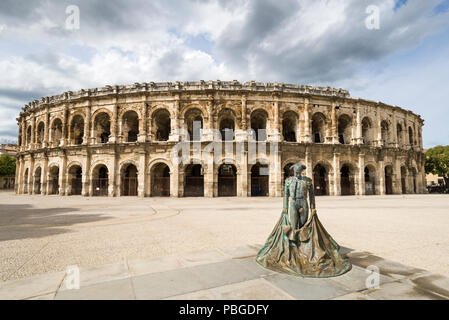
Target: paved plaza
{"x": 124, "y": 246}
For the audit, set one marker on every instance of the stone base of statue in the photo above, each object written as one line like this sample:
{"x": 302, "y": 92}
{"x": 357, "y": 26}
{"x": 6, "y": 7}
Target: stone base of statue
{"x": 312, "y": 252}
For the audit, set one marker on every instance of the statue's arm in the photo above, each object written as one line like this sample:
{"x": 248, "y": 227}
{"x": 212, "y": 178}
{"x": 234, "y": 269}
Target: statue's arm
{"x": 286, "y": 195}
{"x": 311, "y": 195}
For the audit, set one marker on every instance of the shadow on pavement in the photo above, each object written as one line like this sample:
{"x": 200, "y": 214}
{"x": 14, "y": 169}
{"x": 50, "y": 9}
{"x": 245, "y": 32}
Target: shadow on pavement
{"x": 24, "y": 221}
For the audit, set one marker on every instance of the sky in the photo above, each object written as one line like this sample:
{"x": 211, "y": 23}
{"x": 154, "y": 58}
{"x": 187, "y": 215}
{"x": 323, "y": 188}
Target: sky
{"x": 402, "y": 60}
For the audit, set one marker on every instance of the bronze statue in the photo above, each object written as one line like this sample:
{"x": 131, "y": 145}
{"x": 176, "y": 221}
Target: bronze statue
{"x": 299, "y": 244}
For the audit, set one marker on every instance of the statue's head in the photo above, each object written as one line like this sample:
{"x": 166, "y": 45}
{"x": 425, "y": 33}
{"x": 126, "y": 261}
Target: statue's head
{"x": 297, "y": 169}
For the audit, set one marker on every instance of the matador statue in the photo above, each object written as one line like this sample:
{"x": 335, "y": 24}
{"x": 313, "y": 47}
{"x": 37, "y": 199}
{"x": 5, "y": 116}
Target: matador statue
{"x": 299, "y": 244}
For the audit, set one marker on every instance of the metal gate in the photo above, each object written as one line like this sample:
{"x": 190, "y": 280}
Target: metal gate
{"x": 37, "y": 187}
{"x": 77, "y": 186}
{"x": 320, "y": 184}
{"x": 54, "y": 186}
{"x": 259, "y": 186}
{"x": 161, "y": 187}
{"x": 100, "y": 186}
{"x": 194, "y": 187}
{"x": 129, "y": 186}
{"x": 227, "y": 186}
{"x": 346, "y": 186}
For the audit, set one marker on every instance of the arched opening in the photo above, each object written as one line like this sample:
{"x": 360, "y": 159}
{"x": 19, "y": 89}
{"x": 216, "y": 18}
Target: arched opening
{"x": 389, "y": 180}
{"x": 347, "y": 180}
{"x": 75, "y": 180}
{"x": 129, "y": 180}
{"x": 367, "y": 131}
{"x": 161, "y": 125}
{"x": 37, "y": 180}
{"x": 410, "y": 136}
{"x": 404, "y": 180}
{"x": 25, "y": 181}
{"x": 102, "y": 128}
{"x": 160, "y": 180}
{"x": 289, "y": 126}
{"x": 100, "y": 180}
{"x": 259, "y": 180}
{"x": 259, "y": 125}
{"x": 226, "y": 120}
{"x": 40, "y": 134}
{"x": 227, "y": 129}
{"x": 28, "y": 136}
{"x": 77, "y": 130}
{"x": 399, "y": 133}
{"x": 227, "y": 180}
{"x": 370, "y": 181}
{"x": 56, "y": 132}
{"x": 344, "y": 129}
{"x": 385, "y": 131}
{"x": 194, "y": 121}
{"x": 321, "y": 180}
{"x": 53, "y": 180}
{"x": 318, "y": 127}
{"x": 287, "y": 173}
{"x": 130, "y": 126}
{"x": 194, "y": 181}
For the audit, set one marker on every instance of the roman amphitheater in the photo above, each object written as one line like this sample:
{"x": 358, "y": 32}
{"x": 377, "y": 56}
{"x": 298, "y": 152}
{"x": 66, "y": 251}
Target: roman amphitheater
{"x": 161, "y": 139}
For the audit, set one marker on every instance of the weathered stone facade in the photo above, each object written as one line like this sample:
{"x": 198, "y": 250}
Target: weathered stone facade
{"x": 118, "y": 140}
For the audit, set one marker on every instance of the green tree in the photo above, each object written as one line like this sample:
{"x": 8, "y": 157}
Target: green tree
{"x": 7, "y": 165}
{"x": 437, "y": 162}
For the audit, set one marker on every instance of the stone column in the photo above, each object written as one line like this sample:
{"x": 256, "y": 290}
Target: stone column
{"x": 395, "y": 131}
{"x": 142, "y": 174}
{"x": 336, "y": 163}
{"x": 242, "y": 177}
{"x": 379, "y": 127}
{"x": 307, "y": 129}
{"x": 87, "y": 126}
{"x": 24, "y": 146}
{"x": 361, "y": 175}
{"x": 20, "y": 179}
{"x": 45, "y": 176}
{"x": 17, "y": 175}
{"x": 381, "y": 178}
{"x": 309, "y": 165}
{"x": 86, "y": 175}
{"x": 143, "y": 123}
{"x": 274, "y": 133}
{"x": 174, "y": 123}
{"x": 63, "y": 141}
{"x": 241, "y": 134}
{"x": 47, "y": 129}
{"x": 63, "y": 175}
{"x": 114, "y": 176}
{"x": 113, "y": 136}
{"x": 275, "y": 170}
{"x": 210, "y": 180}
{"x": 397, "y": 185}
{"x": 359, "y": 137}
{"x": 174, "y": 179}
{"x": 31, "y": 176}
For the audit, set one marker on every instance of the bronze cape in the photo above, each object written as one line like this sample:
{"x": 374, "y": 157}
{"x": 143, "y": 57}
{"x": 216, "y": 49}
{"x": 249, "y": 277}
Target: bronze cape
{"x": 308, "y": 251}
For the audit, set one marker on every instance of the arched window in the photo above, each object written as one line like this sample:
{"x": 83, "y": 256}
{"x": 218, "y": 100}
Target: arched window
{"x": 161, "y": 125}
{"x": 259, "y": 120}
{"x": 289, "y": 125}
{"x": 344, "y": 129}
{"x": 318, "y": 127}
{"x": 130, "y": 126}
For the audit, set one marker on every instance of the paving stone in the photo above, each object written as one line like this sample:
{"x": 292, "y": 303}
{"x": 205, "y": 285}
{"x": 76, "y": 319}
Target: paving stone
{"x": 224, "y": 273}
{"x": 190, "y": 259}
{"x": 353, "y": 296}
{"x": 241, "y": 252}
{"x": 258, "y": 289}
{"x": 307, "y": 288}
{"x": 400, "y": 290}
{"x": 252, "y": 266}
{"x": 94, "y": 275}
{"x": 432, "y": 282}
{"x": 153, "y": 265}
{"x": 165, "y": 284}
{"x": 386, "y": 267}
{"x": 111, "y": 290}
{"x": 31, "y": 287}
{"x": 355, "y": 279}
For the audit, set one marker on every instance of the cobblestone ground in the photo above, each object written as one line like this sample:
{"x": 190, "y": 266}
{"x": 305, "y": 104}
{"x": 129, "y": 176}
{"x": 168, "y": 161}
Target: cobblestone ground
{"x": 43, "y": 234}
